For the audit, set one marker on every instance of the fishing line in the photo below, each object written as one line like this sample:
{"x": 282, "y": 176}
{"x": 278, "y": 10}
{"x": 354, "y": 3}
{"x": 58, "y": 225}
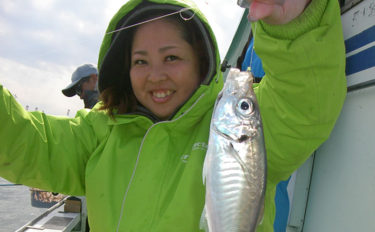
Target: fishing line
{"x": 252, "y": 50}
{"x": 156, "y": 18}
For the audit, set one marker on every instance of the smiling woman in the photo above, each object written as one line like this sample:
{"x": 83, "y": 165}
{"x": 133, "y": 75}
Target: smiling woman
{"x": 138, "y": 155}
{"x": 161, "y": 80}
{"x": 37, "y": 70}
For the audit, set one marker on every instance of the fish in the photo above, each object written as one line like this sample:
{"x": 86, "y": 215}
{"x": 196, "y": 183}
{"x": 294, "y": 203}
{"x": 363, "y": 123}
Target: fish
{"x": 235, "y": 166}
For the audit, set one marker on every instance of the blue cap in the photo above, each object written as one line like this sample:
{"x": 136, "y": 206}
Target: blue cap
{"x": 81, "y": 72}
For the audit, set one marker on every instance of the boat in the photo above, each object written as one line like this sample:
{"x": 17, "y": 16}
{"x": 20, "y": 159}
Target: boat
{"x": 68, "y": 214}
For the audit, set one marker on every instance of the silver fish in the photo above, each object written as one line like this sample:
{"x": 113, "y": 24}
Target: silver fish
{"x": 235, "y": 167}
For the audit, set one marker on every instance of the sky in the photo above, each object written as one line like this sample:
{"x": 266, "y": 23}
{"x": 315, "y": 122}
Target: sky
{"x": 43, "y": 41}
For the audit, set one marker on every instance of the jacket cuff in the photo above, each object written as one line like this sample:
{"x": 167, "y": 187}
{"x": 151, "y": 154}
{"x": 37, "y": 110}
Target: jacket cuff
{"x": 308, "y": 20}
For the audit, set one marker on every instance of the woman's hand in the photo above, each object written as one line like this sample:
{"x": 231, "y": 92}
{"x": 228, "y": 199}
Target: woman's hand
{"x": 276, "y": 11}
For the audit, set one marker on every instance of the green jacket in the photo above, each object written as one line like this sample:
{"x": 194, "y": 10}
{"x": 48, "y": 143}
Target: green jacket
{"x": 140, "y": 175}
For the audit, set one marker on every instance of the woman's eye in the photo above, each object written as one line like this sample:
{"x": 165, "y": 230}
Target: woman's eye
{"x": 139, "y": 62}
{"x": 171, "y": 58}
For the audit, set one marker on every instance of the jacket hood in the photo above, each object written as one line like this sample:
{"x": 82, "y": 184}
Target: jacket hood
{"x": 112, "y": 53}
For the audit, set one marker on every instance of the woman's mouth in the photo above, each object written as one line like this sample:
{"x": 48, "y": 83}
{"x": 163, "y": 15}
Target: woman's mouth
{"x": 161, "y": 96}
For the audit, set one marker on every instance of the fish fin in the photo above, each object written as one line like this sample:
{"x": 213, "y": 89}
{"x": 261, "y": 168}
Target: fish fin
{"x": 203, "y": 225}
{"x": 206, "y": 164}
{"x": 261, "y": 214}
{"x": 204, "y": 171}
{"x": 236, "y": 156}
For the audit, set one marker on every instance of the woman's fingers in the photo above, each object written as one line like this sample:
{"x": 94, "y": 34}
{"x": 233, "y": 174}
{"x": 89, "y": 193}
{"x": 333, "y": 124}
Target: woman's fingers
{"x": 274, "y": 11}
{"x": 259, "y": 10}
{"x": 270, "y": 2}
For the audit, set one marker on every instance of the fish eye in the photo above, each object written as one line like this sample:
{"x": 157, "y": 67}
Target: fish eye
{"x": 245, "y": 107}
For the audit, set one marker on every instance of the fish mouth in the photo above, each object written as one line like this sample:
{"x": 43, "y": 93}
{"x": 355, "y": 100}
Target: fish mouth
{"x": 239, "y": 139}
{"x": 243, "y": 138}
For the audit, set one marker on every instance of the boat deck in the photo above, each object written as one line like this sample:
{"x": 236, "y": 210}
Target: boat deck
{"x": 15, "y": 206}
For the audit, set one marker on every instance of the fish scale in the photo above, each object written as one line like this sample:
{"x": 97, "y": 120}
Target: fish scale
{"x": 235, "y": 167}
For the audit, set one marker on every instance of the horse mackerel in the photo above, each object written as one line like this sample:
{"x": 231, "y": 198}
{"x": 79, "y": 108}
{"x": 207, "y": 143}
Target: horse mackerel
{"x": 235, "y": 167}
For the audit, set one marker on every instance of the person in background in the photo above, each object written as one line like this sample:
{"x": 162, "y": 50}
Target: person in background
{"x": 84, "y": 84}
{"x": 138, "y": 155}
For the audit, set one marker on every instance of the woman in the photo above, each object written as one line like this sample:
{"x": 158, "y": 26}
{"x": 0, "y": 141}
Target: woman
{"x": 138, "y": 155}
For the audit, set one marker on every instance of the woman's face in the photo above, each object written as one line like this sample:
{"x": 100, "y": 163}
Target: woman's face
{"x": 164, "y": 68}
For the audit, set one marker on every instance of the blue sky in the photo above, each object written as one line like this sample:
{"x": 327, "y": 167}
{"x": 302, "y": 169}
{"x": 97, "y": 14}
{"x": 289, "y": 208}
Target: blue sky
{"x": 43, "y": 41}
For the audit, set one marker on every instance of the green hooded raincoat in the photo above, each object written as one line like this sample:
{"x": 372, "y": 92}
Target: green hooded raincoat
{"x": 141, "y": 175}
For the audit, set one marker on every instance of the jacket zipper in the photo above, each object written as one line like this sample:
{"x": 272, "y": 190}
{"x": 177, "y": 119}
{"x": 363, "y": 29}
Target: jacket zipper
{"x": 138, "y": 156}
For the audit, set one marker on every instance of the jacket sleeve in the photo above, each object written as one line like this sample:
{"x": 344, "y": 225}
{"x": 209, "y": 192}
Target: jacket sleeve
{"x": 304, "y": 89}
{"x": 44, "y": 151}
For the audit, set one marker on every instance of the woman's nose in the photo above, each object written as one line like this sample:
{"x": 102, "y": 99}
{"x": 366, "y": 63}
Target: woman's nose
{"x": 157, "y": 73}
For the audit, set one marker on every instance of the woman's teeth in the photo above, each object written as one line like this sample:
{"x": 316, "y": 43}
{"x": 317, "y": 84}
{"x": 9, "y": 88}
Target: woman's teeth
{"x": 162, "y": 94}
